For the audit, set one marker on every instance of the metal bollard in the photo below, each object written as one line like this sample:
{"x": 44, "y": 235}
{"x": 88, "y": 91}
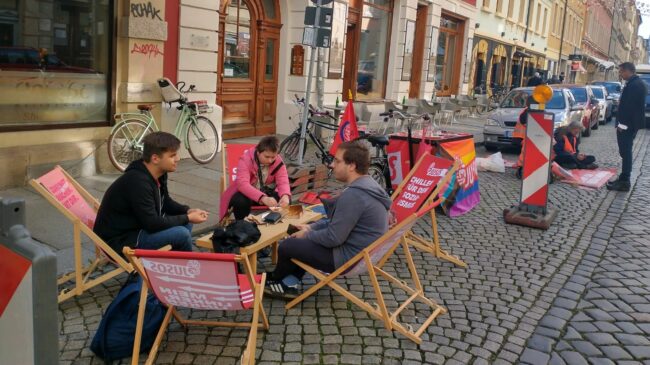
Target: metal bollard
{"x": 29, "y": 329}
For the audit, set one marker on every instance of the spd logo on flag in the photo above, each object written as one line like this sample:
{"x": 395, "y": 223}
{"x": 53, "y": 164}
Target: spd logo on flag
{"x": 347, "y": 129}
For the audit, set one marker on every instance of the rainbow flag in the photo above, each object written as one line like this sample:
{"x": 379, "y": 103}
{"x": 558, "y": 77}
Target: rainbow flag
{"x": 465, "y": 181}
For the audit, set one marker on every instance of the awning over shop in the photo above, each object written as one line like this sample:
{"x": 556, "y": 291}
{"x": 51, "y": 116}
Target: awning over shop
{"x": 606, "y": 64}
{"x": 522, "y": 54}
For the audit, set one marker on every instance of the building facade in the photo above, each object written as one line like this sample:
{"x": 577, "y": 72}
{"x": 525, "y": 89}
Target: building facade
{"x": 595, "y": 42}
{"x": 565, "y": 39}
{"x": 510, "y": 43}
{"x": 73, "y": 65}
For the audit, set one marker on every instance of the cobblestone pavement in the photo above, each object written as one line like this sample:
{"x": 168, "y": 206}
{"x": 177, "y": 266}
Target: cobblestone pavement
{"x": 523, "y": 291}
{"x": 602, "y": 313}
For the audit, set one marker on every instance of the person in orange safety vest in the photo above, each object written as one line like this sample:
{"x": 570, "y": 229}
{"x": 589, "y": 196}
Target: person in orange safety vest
{"x": 566, "y": 148}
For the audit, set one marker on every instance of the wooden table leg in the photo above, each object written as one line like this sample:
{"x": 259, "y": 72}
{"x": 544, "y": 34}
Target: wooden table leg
{"x": 252, "y": 258}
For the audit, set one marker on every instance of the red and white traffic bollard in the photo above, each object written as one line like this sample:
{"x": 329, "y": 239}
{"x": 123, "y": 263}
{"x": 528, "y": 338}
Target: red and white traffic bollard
{"x": 532, "y": 210}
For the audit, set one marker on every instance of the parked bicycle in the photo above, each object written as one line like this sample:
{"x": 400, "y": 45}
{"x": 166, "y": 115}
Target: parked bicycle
{"x": 498, "y": 93}
{"x": 198, "y": 133}
{"x": 379, "y": 166}
{"x": 290, "y": 146}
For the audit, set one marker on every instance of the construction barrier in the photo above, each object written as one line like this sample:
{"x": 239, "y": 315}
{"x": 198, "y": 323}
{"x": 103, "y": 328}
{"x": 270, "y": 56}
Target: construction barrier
{"x": 29, "y": 332}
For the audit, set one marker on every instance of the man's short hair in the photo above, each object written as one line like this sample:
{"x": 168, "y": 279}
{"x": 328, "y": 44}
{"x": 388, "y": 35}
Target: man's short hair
{"x": 158, "y": 143}
{"x": 357, "y": 153}
{"x": 628, "y": 66}
{"x": 576, "y": 124}
{"x": 268, "y": 143}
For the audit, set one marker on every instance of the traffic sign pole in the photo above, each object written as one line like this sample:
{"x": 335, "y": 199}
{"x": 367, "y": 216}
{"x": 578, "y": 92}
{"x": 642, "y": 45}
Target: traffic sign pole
{"x": 310, "y": 73}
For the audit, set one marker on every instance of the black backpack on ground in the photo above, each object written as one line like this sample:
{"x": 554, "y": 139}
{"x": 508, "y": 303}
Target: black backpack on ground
{"x": 116, "y": 333}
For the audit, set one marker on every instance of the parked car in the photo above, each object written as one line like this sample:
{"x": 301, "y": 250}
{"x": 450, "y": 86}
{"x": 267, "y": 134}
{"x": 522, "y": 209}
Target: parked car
{"x": 590, "y": 107}
{"x": 613, "y": 92}
{"x": 606, "y": 104}
{"x": 501, "y": 122}
{"x": 29, "y": 59}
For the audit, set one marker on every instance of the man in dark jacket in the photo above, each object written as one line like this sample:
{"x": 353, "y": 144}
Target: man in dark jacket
{"x": 356, "y": 218}
{"x": 137, "y": 211}
{"x": 629, "y": 119}
{"x": 535, "y": 80}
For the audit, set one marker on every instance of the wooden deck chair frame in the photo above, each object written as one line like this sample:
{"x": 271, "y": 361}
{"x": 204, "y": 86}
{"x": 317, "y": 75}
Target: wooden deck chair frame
{"x": 430, "y": 245}
{"x": 247, "y": 358}
{"x": 103, "y": 252}
{"x": 379, "y": 310}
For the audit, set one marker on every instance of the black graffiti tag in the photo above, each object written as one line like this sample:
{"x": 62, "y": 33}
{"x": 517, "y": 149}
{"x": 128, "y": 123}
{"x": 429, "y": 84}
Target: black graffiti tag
{"x": 146, "y": 10}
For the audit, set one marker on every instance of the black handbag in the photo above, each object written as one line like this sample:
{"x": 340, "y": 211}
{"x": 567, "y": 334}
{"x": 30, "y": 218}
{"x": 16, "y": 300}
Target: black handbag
{"x": 237, "y": 234}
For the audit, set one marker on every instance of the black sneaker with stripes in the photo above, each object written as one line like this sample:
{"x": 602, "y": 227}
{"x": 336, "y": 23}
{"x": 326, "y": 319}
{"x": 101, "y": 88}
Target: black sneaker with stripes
{"x": 276, "y": 289}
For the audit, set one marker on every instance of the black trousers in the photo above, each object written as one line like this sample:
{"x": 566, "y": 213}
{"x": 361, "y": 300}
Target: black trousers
{"x": 309, "y": 252}
{"x": 625, "y": 141}
{"x": 571, "y": 162}
{"x": 241, "y": 204}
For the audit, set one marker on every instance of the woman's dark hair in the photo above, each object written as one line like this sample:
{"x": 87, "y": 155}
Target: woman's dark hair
{"x": 158, "y": 143}
{"x": 268, "y": 143}
{"x": 357, "y": 153}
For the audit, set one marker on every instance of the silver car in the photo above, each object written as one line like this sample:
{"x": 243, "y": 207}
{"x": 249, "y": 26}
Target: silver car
{"x": 606, "y": 104}
{"x": 500, "y": 123}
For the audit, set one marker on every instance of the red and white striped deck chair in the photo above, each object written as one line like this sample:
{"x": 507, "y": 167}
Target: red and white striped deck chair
{"x": 420, "y": 190}
{"x": 75, "y": 203}
{"x": 371, "y": 261}
{"x": 202, "y": 281}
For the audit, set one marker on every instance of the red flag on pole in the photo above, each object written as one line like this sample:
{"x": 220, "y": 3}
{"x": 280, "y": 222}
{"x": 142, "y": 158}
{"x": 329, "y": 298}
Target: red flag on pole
{"x": 347, "y": 128}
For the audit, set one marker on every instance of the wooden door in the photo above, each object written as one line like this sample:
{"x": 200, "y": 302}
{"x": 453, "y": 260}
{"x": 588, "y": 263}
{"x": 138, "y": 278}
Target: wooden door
{"x": 418, "y": 51}
{"x": 351, "y": 54}
{"x": 237, "y": 74}
{"x": 246, "y": 88}
{"x": 267, "y": 80}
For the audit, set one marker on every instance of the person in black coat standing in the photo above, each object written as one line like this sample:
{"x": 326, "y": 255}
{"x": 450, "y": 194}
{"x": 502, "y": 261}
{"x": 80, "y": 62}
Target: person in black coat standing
{"x": 535, "y": 80}
{"x": 629, "y": 119}
{"x": 138, "y": 212}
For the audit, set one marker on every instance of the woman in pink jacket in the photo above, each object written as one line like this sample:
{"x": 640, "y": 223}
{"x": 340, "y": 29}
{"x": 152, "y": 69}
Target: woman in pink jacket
{"x": 262, "y": 179}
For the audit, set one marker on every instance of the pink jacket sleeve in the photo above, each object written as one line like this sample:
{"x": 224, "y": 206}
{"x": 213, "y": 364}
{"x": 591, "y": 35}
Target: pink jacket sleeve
{"x": 243, "y": 180}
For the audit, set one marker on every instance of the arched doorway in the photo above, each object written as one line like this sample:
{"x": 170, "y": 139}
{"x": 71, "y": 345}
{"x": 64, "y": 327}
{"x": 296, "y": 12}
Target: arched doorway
{"x": 248, "y": 66}
{"x": 477, "y": 77}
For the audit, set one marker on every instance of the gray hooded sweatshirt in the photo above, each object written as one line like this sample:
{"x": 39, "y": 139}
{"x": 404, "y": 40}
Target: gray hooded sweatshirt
{"x": 356, "y": 218}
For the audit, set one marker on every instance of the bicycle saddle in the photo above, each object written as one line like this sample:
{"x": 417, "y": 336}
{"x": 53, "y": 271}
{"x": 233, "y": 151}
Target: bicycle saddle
{"x": 144, "y": 107}
{"x": 378, "y": 140}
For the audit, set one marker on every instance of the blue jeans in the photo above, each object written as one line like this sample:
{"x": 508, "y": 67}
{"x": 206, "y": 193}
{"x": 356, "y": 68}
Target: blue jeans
{"x": 180, "y": 237}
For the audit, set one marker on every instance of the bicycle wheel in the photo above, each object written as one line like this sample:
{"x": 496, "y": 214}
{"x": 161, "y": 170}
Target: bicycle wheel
{"x": 376, "y": 171}
{"x": 122, "y": 143}
{"x": 202, "y": 140}
{"x": 290, "y": 147}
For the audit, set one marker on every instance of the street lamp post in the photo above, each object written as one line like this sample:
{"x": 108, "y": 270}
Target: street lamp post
{"x": 559, "y": 57}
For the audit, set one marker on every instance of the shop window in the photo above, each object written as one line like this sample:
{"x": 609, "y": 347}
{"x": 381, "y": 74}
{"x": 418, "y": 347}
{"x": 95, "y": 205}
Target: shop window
{"x": 407, "y": 64}
{"x": 237, "y": 39}
{"x": 447, "y": 57}
{"x": 54, "y": 64}
{"x": 337, "y": 44}
{"x": 373, "y": 49}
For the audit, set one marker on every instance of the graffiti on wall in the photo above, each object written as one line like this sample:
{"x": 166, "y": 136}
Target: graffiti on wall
{"x": 145, "y": 10}
{"x": 148, "y": 49}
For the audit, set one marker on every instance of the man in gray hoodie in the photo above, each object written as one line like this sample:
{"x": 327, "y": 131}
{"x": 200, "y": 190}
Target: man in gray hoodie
{"x": 355, "y": 219}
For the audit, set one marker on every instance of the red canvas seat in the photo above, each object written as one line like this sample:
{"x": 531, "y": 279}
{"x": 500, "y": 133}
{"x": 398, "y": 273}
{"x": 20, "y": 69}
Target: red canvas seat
{"x": 76, "y": 204}
{"x": 420, "y": 192}
{"x": 200, "y": 281}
